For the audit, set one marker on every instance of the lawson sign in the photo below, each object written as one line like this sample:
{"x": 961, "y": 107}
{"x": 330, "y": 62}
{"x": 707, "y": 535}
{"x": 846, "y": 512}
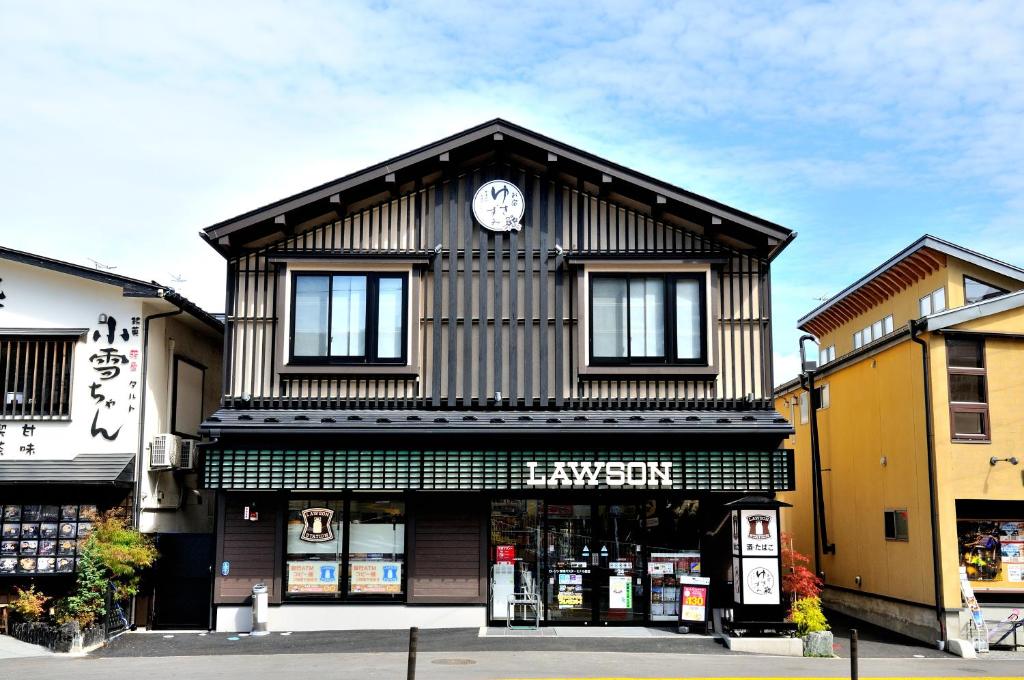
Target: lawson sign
{"x": 597, "y": 473}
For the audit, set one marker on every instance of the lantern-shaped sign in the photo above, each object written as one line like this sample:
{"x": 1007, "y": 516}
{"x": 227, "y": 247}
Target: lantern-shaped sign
{"x": 756, "y": 556}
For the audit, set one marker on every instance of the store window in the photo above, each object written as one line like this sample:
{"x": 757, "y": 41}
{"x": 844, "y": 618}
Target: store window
{"x": 349, "y": 318}
{"x": 896, "y": 527}
{"x": 376, "y": 549}
{"x": 36, "y": 377}
{"x": 976, "y": 291}
{"x": 992, "y": 549}
{"x": 968, "y": 389}
{"x": 314, "y": 548}
{"x": 647, "y": 319}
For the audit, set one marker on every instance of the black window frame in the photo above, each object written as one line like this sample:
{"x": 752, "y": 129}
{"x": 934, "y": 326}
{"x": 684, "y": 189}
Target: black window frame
{"x": 668, "y": 359}
{"x": 343, "y": 596}
{"x": 369, "y": 357}
{"x": 892, "y": 527}
{"x": 984, "y": 283}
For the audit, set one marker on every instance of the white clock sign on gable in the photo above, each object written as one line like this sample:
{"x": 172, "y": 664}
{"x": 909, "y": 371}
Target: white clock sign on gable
{"x": 499, "y": 206}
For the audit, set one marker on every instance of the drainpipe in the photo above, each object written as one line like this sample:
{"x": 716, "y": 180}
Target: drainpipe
{"x": 817, "y": 488}
{"x": 915, "y": 328}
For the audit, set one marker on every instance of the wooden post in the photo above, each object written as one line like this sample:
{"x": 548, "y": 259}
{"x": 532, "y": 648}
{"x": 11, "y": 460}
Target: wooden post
{"x": 414, "y": 634}
{"x": 854, "y": 674}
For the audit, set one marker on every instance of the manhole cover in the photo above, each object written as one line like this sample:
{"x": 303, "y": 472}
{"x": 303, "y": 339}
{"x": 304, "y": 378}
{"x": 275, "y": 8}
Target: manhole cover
{"x": 453, "y": 662}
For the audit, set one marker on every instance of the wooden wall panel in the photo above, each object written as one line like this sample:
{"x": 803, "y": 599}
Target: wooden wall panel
{"x": 498, "y": 312}
{"x": 251, "y": 549}
{"x": 447, "y": 563}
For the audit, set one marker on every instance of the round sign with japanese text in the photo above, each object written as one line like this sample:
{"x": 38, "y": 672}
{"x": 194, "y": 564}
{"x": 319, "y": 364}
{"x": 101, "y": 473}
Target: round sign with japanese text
{"x": 498, "y": 205}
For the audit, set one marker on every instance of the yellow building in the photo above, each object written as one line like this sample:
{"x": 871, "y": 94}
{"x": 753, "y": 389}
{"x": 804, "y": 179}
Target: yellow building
{"x": 917, "y": 398}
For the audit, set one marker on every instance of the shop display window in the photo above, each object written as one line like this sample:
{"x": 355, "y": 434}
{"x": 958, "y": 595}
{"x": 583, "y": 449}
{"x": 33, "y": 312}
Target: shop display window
{"x": 376, "y": 549}
{"x": 992, "y": 550}
{"x": 314, "y": 547}
{"x": 42, "y": 539}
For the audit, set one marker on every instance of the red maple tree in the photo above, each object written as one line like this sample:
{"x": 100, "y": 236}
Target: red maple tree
{"x": 798, "y": 580}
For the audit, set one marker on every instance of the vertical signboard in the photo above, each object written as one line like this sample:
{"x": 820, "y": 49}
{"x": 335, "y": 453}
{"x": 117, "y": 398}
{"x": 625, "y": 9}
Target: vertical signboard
{"x": 756, "y": 559}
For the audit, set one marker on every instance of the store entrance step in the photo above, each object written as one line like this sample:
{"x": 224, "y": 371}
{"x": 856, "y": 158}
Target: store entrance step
{"x": 586, "y": 632}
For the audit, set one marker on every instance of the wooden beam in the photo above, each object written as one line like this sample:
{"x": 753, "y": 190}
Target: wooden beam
{"x": 336, "y": 199}
{"x": 552, "y": 158}
{"x": 280, "y": 220}
{"x": 498, "y": 136}
{"x": 445, "y": 157}
{"x": 389, "y": 178}
{"x": 606, "y": 179}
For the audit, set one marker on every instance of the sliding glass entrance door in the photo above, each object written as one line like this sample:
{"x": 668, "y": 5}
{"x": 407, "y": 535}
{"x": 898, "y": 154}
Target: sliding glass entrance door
{"x": 569, "y": 541}
{"x": 618, "y": 577}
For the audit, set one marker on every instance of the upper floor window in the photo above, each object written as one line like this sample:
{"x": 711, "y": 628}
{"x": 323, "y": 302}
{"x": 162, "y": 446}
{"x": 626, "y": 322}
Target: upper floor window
{"x": 873, "y": 332}
{"x": 349, "y": 318}
{"x": 36, "y": 373}
{"x": 968, "y": 388}
{"x": 932, "y": 302}
{"x": 648, "y": 318}
{"x": 826, "y": 354}
{"x": 976, "y": 291}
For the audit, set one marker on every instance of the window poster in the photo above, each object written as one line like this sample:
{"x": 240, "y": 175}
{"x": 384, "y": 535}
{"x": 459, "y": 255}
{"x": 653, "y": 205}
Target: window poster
{"x": 570, "y": 590}
{"x": 620, "y": 592}
{"x": 695, "y": 599}
{"x": 375, "y": 577}
{"x": 992, "y": 550}
{"x": 313, "y": 577}
{"x": 42, "y": 539}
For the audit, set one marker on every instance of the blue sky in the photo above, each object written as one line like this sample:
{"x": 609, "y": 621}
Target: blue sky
{"x": 127, "y": 127}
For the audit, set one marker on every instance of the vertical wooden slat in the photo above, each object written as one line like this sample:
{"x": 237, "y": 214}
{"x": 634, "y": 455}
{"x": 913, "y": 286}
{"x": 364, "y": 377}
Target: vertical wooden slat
{"x": 485, "y": 244}
{"x": 533, "y": 205}
{"x": 453, "y": 269}
{"x": 766, "y": 343}
{"x": 738, "y": 309}
{"x": 65, "y": 401}
{"x": 559, "y": 350}
{"x": 499, "y": 285}
{"x": 513, "y": 305}
{"x": 545, "y": 190}
{"x": 467, "y": 291}
{"x": 750, "y": 326}
{"x": 435, "y": 383}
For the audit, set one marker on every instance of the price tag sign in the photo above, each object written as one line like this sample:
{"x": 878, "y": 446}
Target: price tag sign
{"x": 694, "y": 602}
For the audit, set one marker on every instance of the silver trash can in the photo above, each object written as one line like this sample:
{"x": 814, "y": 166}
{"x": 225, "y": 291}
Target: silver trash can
{"x": 259, "y": 610}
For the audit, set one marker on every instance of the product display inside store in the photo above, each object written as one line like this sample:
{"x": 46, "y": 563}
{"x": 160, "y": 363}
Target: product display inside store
{"x": 992, "y": 550}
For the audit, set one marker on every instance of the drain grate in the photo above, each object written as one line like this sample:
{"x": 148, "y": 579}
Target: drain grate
{"x": 453, "y": 662}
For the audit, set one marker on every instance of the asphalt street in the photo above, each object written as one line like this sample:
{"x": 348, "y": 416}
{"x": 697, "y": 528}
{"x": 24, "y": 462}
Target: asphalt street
{"x": 493, "y": 666}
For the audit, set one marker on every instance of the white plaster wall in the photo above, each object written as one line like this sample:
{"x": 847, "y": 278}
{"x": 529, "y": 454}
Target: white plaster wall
{"x": 39, "y": 298}
{"x": 298, "y": 617}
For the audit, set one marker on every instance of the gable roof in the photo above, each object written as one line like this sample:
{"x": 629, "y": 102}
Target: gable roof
{"x": 499, "y": 130}
{"x": 911, "y": 264}
{"x": 130, "y": 287}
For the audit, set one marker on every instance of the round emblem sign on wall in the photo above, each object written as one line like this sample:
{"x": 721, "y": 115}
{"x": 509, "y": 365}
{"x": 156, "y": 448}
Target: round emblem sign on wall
{"x": 499, "y": 206}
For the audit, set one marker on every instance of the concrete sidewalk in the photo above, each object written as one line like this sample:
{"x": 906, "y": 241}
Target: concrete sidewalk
{"x": 10, "y": 648}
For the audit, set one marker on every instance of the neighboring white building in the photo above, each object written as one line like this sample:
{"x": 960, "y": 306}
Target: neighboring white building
{"x": 95, "y": 368}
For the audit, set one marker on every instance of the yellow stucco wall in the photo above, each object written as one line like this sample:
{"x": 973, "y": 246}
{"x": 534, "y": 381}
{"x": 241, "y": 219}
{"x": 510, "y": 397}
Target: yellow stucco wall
{"x": 963, "y": 469}
{"x": 876, "y": 410}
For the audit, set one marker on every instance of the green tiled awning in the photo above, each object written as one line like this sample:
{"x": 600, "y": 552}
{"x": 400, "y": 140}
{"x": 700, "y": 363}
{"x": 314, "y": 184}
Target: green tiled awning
{"x": 273, "y": 469}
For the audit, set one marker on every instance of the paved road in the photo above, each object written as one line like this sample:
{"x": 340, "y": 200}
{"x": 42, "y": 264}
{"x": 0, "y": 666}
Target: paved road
{"x": 492, "y": 666}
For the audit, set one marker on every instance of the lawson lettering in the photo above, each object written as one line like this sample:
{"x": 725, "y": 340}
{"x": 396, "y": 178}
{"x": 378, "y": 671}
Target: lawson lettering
{"x": 596, "y": 473}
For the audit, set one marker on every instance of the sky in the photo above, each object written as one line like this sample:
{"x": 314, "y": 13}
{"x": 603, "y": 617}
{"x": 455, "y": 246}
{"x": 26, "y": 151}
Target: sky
{"x": 126, "y": 127}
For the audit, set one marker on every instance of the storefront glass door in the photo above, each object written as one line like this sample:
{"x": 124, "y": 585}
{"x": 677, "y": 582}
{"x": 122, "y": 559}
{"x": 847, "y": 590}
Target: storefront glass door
{"x": 570, "y": 546}
{"x": 618, "y": 577}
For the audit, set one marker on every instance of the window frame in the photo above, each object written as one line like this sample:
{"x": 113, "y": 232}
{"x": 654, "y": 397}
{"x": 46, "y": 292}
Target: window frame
{"x": 343, "y": 596}
{"x": 669, "y": 311}
{"x": 968, "y": 406}
{"x": 984, "y": 283}
{"x": 369, "y": 357}
{"x": 896, "y": 537}
{"x": 60, "y": 388}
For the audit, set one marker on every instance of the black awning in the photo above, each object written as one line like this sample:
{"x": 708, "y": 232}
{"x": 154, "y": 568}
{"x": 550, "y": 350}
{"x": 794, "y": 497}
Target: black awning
{"x": 85, "y": 468}
{"x": 425, "y": 421}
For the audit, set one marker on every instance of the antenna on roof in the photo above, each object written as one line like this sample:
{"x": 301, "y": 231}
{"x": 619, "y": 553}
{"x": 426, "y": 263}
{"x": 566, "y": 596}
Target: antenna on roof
{"x": 100, "y": 265}
{"x": 823, "y": 298}
{"x": 177, "y": 278}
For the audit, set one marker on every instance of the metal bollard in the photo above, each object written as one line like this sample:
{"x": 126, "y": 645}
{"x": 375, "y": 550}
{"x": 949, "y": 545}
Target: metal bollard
{"x": 854, "y": 673}
{"x": 414, "y": 636}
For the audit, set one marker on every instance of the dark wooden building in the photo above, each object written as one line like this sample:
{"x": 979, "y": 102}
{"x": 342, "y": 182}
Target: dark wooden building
{"x": 493, "y": 364}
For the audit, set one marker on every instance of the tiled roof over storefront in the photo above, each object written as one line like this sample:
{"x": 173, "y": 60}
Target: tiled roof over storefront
{"x": 85, "y": 468}
{"x": 348, "y": 421}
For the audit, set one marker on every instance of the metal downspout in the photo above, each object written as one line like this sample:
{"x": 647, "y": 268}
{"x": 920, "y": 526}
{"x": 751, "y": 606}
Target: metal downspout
{"x": 817, "y": 488}
{"x": 932, "y": 500}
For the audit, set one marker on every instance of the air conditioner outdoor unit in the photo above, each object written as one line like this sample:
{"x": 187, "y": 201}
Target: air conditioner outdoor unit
{"x": 187, "y": 453}
{"x": 164, "y": 452}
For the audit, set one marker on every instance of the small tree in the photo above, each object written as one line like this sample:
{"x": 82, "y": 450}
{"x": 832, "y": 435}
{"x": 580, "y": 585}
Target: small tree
{"x": 111, "y": 556}
{"x": 29, "y": 605}
{"x": 798, "y": 581}
{"x": 807, "y": 616}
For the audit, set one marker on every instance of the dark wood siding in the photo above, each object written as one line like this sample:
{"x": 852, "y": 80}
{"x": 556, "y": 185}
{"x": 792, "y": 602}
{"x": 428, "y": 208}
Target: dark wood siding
{"x": 251, "y": 548}
{"x": 498, "y": 313}
{"x": 448, "y": 561}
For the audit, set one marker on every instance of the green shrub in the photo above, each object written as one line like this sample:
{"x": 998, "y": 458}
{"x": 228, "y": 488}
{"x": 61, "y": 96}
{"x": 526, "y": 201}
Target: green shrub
{"x": 807, "y": 615}
{"x": 29, "y": 605}
{"x": 111, "y": 556}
